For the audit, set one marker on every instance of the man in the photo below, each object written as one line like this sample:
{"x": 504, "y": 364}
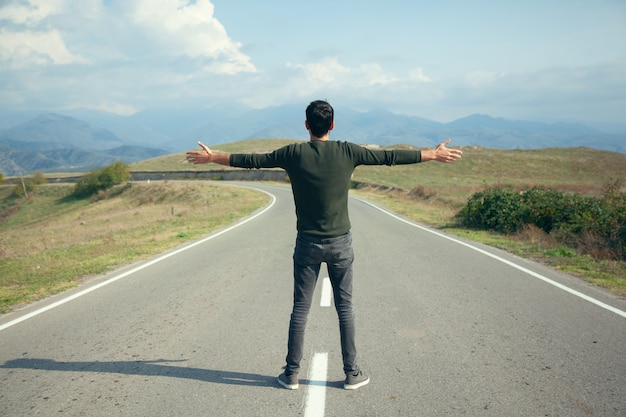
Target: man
{"x": 320, "y": 171}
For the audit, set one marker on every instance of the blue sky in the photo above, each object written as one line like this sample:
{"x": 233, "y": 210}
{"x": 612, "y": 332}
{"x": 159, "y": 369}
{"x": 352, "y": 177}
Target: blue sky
{"x": 535, "y": 60}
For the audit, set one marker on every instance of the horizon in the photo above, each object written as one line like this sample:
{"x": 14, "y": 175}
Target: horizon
{"x": 611, "y": 128}
{"x": 87, "y": 141}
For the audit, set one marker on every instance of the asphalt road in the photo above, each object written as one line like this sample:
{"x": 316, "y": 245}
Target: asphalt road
{"x": 444, "y": 328}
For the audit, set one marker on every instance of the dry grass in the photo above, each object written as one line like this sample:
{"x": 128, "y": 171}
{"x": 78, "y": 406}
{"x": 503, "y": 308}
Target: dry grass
{"x": 49, "y": 244}
{"x": 579, "y": 170}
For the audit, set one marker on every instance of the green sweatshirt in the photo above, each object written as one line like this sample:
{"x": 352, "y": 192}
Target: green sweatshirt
{"x": 320, "y": 173}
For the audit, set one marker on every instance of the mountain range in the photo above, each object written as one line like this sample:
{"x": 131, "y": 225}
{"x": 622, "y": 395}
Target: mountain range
{"x": 84, "y": 139}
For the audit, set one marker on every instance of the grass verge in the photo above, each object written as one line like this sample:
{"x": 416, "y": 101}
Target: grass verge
{"x": 52, "y": 242}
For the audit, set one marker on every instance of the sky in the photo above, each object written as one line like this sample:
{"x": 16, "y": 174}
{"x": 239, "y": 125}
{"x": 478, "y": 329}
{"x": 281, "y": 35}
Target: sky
{"x": 545, "y": 60}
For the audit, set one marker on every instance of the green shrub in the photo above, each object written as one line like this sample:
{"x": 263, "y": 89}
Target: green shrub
{"x": 26, "y": 187}
{"x": 544, "y": 208}
{"x": 496, "y": 209}
{"x": 23, "y": 188}
{"x": 101, "y": 179}
{"x": 594, "y": 225}
{"x": 609, "y": 220}
{"x": 38, "y": 178}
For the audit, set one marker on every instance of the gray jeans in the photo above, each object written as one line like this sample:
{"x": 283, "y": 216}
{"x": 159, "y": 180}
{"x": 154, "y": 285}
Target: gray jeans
{"x": 309, "y": 253}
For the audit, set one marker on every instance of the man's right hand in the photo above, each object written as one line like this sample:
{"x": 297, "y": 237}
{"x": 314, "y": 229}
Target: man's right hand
{"x": 206, "y": 156}
{"x": 200, "y": 157}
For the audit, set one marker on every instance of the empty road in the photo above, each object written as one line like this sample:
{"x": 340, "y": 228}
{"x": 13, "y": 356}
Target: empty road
{"x": 444, "y": 328}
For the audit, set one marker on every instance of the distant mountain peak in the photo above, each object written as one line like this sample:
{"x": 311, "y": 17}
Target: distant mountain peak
{"x": 179, "y": 129}
{"x": 54, "y": 118}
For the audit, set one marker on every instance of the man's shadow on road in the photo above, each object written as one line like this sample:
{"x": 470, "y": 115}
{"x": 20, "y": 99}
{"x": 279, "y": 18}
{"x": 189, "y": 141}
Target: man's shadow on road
{"x": 155, "y": 368}
{"x": 148, "y": 368}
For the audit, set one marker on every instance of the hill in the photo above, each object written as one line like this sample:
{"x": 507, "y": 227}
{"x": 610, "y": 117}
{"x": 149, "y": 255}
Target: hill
{"x": 53, "y": 143}
{"x": 579, "y": 169}
{"x": 159, "y": 131}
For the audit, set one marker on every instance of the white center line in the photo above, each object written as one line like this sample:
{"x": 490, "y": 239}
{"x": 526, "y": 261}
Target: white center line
{"x": 316, "y": 395}
{"x": 326, "y": 293}
{"x": 316, "y": 398}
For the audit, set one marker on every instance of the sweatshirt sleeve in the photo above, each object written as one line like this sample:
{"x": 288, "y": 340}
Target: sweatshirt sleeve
{"x": 273, "y": 159}
{"x": 364, "y": 156}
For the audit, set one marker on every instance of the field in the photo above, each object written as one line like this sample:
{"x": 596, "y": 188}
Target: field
{"x": 52, "y": 242}
{"x": 580, "y": 170}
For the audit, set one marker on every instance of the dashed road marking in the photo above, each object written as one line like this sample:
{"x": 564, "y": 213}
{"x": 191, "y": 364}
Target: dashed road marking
{"x": 326, "y": 293}
{"x": 316, "y": 395}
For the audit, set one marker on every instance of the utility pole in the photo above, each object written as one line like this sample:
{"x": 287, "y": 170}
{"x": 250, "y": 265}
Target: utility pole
{"x": 23, "y": 185}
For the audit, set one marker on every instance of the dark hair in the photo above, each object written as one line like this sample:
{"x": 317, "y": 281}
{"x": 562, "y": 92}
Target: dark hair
{"x": 320, "y": 116}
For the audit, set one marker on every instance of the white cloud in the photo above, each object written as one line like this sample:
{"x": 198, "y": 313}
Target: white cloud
{"x": 365, "y": 83}
{"x": 26, "y": 39}
{"x": 595, "y": 92}
{"x": 326, "y": 71}
{"x": 24, "y": 49}
{"x": 132, "y": 30}
{"x": 131, "y": 53}
{"x": 590, "y": 93}
{"x": 330, "y": 73}
{"x": 125, "y": 55}
{"x": 417, "y": 75}
{"x": 373, "y": 74}
{"x": 189, "y": 28}
{"x": 31, "y": 12}
{"x": 108, "y": 107}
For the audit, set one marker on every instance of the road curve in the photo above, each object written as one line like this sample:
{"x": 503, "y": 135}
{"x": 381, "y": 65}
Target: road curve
{"x": 445, "y": 328}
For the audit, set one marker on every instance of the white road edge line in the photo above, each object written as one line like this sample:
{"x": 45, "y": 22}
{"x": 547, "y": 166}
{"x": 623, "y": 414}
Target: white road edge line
{"x": 326, "y": 293}
{"x": 511, "y": 264}
{"x": 139, "y": 268}
{"x": 316, "y": 395}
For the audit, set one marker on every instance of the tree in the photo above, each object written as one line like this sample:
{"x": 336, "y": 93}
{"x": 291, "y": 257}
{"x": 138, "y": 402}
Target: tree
{"x": 24, "y": 187}
{"x": 102, "y": 179}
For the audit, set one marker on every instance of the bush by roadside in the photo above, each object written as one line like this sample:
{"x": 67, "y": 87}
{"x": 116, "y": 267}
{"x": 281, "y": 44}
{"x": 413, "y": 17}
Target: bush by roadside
{"x": 98, "y": 181}
{"x": 23, "y": 188}
{"x": 595, "y": 226}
